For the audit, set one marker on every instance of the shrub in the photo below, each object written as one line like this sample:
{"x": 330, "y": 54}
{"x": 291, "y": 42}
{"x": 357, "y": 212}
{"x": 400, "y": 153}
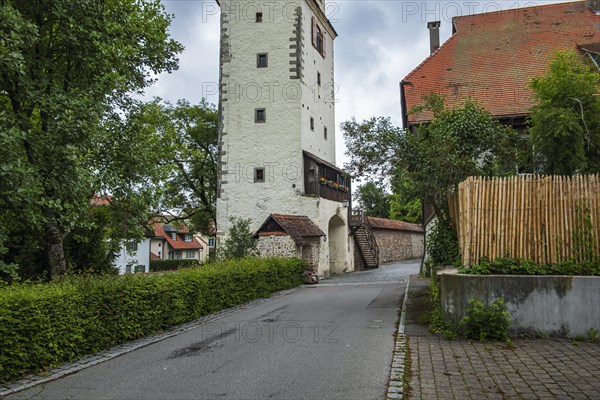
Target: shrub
{"x": 442, "y": 245}
{"x": 171, "y": 265}
{"x": 510, "y": 266}
{"x": 240, "y": 241}
{"x": 486, "y": 322}
{"x": 44, "y": 325}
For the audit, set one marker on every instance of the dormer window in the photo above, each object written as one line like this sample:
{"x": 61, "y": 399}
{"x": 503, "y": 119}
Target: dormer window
{"x": 174, "y": 235}
{"x": 188, "y": 237}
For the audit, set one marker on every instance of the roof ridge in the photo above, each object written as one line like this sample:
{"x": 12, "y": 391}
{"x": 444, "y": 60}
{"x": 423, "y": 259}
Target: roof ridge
{"x": 458, "y": 17}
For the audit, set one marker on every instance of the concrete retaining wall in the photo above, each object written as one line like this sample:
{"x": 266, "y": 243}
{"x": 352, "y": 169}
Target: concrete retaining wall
{"x": 553, "y": 305}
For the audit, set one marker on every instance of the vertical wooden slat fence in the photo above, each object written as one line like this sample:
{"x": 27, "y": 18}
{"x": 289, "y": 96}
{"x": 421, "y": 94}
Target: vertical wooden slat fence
{"x": 546, "y": 219}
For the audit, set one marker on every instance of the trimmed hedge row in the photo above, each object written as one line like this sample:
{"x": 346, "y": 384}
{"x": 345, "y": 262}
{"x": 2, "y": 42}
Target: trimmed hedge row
{"x": 171, "y": 264}
{"x": 45, "y": 325}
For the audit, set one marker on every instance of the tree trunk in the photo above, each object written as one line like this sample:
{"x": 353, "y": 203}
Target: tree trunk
{"x": 55, "y": 251}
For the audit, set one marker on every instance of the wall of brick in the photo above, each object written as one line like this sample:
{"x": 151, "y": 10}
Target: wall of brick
{"x": 398, "y": 245}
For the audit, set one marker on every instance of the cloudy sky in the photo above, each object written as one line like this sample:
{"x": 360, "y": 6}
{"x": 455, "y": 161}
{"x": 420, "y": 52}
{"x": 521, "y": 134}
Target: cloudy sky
{"x": 380, "y": 42}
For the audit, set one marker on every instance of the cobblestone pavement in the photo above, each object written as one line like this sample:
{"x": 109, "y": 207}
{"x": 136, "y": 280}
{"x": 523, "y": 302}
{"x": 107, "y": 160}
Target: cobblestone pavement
{"x": 393, "y": 272}
{"x": 529, "y": 369}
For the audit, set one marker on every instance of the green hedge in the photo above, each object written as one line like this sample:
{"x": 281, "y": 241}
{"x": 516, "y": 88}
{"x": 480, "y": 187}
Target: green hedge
{"x": 511, "y": 266}
{"x": 171, "y": 264}
{"x": 45, "y": 325}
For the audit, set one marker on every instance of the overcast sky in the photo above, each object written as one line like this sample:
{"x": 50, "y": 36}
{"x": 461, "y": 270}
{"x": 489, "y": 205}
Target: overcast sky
{"x": 380, "y": 42}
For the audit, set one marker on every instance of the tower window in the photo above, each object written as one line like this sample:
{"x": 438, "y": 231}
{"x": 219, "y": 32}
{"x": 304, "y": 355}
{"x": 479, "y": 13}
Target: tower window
{"x": 259, "y": 175}
{"x": 325, "y": 132}
{"x": 312, "y": 124}
{"x": 318, "y": 38}
{"x": 258, "y": 17}
{"x": 319, "y": 78}
{"x": 260, "y": 115}
{"x": 262, "y": 60}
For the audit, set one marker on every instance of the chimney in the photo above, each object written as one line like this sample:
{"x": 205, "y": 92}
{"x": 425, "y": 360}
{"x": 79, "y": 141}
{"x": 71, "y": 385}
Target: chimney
{"x": 595, "y": 6}
{"x": 434, "y": 35}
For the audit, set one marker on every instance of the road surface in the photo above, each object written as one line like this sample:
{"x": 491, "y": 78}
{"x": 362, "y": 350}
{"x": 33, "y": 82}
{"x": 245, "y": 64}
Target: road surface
{"x": 333, "y": 340}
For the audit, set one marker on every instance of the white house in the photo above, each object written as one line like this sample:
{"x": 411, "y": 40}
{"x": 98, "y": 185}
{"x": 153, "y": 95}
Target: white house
{"x": 134, "y": 257}
{"x": 277, "y": 128}
{"x": 164, "y": 241}
{"x": 176, "y": 242}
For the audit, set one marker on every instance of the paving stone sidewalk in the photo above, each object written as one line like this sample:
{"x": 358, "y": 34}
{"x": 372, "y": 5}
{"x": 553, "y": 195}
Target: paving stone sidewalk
{"x": 529, "y": 369}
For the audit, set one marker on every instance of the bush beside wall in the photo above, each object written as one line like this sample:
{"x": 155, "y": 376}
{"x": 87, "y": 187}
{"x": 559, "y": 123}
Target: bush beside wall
{"x": 171, "y": 264}
{"x": 45, "y": 325}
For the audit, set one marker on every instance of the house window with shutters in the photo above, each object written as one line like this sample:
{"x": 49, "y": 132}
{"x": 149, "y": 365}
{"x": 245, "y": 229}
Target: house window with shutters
{"x": 318, "y": 38}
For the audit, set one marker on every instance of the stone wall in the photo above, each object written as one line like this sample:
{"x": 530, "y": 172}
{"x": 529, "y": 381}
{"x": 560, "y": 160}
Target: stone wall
{"x": 278, "y": 246}
{"x": 395, "y": 245}
{"x": 552, "y": 305}
{"x": 311, "y": 253}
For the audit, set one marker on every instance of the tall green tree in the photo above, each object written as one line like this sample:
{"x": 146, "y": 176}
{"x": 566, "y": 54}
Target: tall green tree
{"x": 373, "y": 200}
{"x": 191, "y": 137}
{"x": 457, "y": 143}
{"x": 565, "y": 123}
{"x": 69, "y": 70}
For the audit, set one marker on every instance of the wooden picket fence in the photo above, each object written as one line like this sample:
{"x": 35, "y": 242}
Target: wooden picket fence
{"x": 542, "y": 218}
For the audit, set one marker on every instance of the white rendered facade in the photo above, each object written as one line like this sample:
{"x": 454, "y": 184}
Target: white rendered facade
{"x": 276, "y": 65}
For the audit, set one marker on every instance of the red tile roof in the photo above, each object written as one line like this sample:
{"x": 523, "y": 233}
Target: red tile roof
{"x": 103, "y": 200}
{"x": 297, "y": 226}
{"x": 492, "y": 57}
{"x": 382, "y": 223}
{"x": 180, "y": 243}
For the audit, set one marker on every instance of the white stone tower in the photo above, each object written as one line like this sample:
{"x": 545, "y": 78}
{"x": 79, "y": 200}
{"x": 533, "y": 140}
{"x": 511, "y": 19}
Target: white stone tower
{"x": 277, "y": 125}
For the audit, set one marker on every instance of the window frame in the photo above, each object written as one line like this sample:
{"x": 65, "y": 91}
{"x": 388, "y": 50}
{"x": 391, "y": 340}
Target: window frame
{"x": 259, "y": 17}
{"x": 258, "y": 170}
{"x": 257, "y": 120}
{"x": 258, "y": 59}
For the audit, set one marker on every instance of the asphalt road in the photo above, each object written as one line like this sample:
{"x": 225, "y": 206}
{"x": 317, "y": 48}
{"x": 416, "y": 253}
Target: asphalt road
{"x": 329, "y": 341}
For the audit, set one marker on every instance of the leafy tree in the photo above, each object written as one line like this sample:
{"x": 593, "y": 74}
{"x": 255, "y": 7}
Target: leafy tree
{"x": 457, "y": 143}
{"x": 374, "y": 147}
{"x": 191, "y": 136}
{"x": 427, "y": 164}
{"x": 565, "y": 124}
{"x": 68, "y": 121}
{"x": 373, "y": 200}
{"x": 240, "y": 241}
{"x": 404, "y": 205}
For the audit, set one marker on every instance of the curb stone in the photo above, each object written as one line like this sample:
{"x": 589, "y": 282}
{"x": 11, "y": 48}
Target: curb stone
{"x": 396, "y": 381}
{"x": 72, "y": 367}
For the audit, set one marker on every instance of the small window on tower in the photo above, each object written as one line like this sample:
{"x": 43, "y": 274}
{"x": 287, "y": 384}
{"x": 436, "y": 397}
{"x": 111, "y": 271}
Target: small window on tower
{"x": 260, "y": 115}
{"x": 325, "y": 132}
{"x": 312, "y": 124}
{"x": 262, "y": 60}
{"x": 259, "y": 175}
{"x": 319, "y": 78}
{"x": 258, "y": 17}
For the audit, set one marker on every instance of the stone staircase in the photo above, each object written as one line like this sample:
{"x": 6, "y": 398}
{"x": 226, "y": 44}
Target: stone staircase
{"x": 364, "y": 239}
